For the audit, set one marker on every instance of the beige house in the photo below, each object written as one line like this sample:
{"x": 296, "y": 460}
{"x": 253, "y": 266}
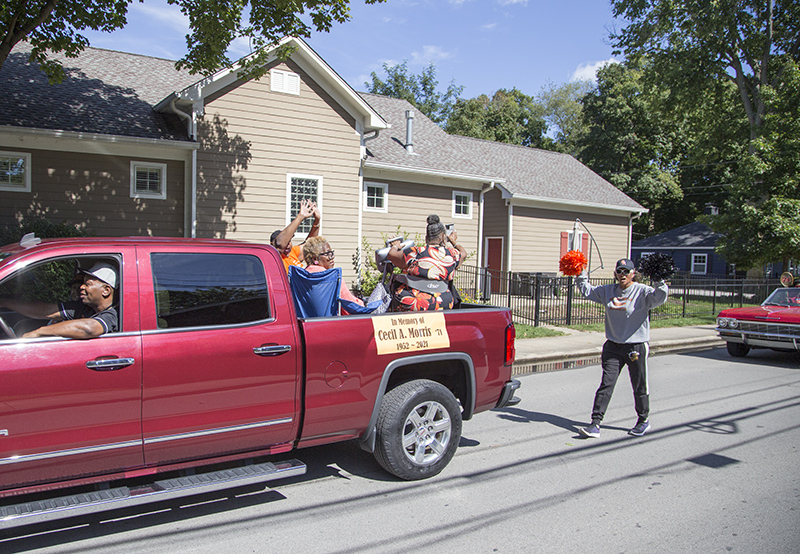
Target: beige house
{"x": 514, "y": 207}
{"x": 127, "y": 145}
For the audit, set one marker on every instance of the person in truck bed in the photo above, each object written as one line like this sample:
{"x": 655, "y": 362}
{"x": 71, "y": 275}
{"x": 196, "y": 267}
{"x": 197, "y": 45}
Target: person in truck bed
{"x": 282, "y": 239}
{"x": 428, "y": 270}
{"x": 94, "y": 314}
{"x": 319, "y": 256}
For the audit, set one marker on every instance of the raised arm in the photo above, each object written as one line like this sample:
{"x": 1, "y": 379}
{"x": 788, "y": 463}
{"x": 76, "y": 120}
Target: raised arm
{"x": 453, "y": 238}
{"x": 307, "y": 209}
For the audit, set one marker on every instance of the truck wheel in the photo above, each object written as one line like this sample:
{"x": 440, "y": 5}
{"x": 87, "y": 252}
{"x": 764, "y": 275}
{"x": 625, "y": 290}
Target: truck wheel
{"x": 418, "y": 429}
{"x": 737, "y": 349}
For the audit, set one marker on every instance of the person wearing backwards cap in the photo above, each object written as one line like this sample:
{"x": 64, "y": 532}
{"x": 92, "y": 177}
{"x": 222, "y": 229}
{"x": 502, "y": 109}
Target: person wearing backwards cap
{"x": 282, "y": 239}
{"x": 627, "y": 305}
{"x": 94, "y": 314}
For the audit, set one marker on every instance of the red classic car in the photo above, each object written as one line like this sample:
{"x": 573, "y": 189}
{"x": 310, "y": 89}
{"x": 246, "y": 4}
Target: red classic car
{"x": 774, "y": 324}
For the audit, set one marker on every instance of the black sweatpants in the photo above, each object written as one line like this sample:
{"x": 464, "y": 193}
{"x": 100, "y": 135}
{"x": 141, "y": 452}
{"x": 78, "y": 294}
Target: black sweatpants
{"x": 615, "y": 356}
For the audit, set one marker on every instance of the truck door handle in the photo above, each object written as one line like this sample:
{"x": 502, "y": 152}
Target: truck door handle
{"x": 109, "y": 364}
{"x": 272, "y": 349}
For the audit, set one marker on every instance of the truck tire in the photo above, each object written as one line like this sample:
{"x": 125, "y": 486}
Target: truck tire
{"x": 737, "y": 349}
{"x": 418, "y": 429}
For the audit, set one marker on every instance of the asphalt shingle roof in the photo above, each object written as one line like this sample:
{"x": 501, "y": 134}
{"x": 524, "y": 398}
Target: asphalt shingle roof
{"x": 525, "y": 171}
{"x": 697, "y": 235}
{"x": 104, "y": 92}
{"x": 109, "y": 92}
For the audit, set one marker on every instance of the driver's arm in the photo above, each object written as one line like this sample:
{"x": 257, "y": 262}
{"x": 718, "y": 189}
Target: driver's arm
{"x": 33, "y": 309}
{"x": 85, "y": 328}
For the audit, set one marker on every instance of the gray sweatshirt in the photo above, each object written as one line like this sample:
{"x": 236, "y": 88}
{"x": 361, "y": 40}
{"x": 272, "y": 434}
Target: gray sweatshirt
{"x": 627, "y": 318}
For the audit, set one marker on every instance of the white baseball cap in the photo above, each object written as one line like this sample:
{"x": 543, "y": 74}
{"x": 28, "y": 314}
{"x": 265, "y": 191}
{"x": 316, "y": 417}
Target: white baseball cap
{"x": 103, "y": 271}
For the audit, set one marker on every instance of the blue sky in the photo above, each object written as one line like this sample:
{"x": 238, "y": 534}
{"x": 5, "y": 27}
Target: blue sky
{"x": 483, "y": 45}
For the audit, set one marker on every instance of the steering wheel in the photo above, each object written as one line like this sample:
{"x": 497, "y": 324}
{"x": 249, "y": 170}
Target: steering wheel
{"x": 6, "y": 329}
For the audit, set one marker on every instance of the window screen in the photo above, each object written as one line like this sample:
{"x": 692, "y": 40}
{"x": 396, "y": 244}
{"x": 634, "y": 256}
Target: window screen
{"x": 462, "y": 202}
{"x": 15, "y": 171}
{"x": 300, "y": 189}
{"x": 699, "y": 263}
{"x": 197, "y": 290}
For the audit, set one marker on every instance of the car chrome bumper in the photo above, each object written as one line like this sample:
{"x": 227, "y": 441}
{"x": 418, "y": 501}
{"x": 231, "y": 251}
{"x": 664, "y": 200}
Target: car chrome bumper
{"x": 763, "y": 340}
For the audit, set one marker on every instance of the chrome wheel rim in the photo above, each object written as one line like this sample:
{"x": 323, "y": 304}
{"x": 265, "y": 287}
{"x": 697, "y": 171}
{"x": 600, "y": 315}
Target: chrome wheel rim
{"x": 426, "y": 433}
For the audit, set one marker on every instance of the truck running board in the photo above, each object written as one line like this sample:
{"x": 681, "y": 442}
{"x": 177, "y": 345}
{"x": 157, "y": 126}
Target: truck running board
{"x": 28, "y": 513}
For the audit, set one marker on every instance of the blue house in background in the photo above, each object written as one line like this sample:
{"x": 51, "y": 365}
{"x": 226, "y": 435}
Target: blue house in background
{"x": 691, "y": 247}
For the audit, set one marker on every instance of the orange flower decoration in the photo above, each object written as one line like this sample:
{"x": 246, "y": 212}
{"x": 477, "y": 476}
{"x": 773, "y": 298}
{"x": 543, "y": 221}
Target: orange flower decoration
{"x": 572, "y": 263}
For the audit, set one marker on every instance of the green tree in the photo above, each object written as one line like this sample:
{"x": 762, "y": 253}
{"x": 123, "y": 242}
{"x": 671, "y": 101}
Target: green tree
{"x": 419, "y": 90}
{"x": 508, "y": 116}
{"x": 562, "y": 110}
{"x": 692, "y": 41}
{"x": 694, "y": 46}
{"x": 627, "y": 141}
{"x": 761, "y": 216}
{"x": 55, "y": 26}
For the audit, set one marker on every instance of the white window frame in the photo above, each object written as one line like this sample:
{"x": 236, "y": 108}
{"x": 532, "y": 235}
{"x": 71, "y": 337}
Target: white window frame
{"x": 696, "y": 262}
{"x": 162, "y": 194}
{"x": 283, "y": 81}
{"x": 577, "y": 244}
{"x": 289, "y": 176}
{"x": 385, "y": 188}
{"x": 26, "y": 157}
{"x": 457, "y": 193}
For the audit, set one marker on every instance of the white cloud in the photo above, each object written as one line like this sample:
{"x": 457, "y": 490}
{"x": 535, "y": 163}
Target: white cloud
{"x": 489, "y": 26}
{"x": 510, "y": 2}
{"x": 167, "y": 15}
{"x": 239, "y": 48}
{"x": 588, "y": 71}
{"x": 429, "y": 54}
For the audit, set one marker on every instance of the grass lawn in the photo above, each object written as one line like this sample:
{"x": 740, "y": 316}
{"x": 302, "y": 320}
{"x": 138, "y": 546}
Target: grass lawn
{"x": 531, "y": 332}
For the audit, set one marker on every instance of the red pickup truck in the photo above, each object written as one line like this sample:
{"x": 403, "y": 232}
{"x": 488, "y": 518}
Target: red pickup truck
{"x": 210, "y": 376}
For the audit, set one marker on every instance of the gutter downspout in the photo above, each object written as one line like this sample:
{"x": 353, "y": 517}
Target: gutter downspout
{"x": 191, "y": 127}
{"x": 364, "y": 140}
{"x": 480, "y": 225}
{"x": 630, "y": 231}
{"x": 510, "y": 233}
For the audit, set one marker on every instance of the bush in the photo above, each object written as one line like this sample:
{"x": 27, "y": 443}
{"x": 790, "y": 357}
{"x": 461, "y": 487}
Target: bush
{"x": 42, "y": 228}
{"x": 367, "y": 271}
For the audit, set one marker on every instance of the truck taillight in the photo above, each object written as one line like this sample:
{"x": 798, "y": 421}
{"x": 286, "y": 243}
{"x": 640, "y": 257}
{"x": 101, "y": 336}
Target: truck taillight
{"x": 511, "y": 335}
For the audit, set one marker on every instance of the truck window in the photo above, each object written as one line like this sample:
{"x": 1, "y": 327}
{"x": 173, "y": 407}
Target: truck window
{"x": 49, "y": 282}
{"x": 200, "y": 290}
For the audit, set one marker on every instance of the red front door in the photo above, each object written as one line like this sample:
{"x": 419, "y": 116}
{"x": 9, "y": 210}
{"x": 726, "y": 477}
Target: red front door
{"x": 494, "y": 261}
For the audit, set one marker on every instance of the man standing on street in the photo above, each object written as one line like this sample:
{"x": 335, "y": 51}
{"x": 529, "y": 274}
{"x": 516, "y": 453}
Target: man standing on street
{"x": 627, "y": 305}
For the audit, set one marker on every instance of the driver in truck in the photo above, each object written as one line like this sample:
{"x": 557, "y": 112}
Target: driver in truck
{"x": 94, "y": 314}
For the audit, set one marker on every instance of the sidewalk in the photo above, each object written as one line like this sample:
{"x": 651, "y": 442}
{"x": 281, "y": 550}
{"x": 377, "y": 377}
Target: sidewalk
{"x": 574, "y": 345}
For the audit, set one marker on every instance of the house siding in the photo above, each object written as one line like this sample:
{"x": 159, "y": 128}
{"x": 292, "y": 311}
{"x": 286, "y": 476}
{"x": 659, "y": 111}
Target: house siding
{"x": 537, "y": 239}
{"x": 409, "y": 205}
{"x": 92, "y": 192}
{"x": 251, "y": 138}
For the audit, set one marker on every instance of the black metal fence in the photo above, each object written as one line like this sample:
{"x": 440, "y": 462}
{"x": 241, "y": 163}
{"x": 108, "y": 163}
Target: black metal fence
{"x": 540, "y": 298}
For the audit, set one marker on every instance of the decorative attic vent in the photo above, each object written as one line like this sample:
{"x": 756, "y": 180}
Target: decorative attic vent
{"x": 284, "y": 81}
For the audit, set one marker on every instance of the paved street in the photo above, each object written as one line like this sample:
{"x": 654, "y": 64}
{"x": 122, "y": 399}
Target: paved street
{"x": 717, "y": 473}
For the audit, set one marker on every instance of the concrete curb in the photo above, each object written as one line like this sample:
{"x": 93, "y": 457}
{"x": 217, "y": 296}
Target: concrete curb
{"x": 656, "y": 347}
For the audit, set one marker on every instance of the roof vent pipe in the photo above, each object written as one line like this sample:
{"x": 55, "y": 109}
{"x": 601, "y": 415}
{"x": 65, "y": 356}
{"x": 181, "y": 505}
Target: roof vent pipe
{"x": 409, "y": 131}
